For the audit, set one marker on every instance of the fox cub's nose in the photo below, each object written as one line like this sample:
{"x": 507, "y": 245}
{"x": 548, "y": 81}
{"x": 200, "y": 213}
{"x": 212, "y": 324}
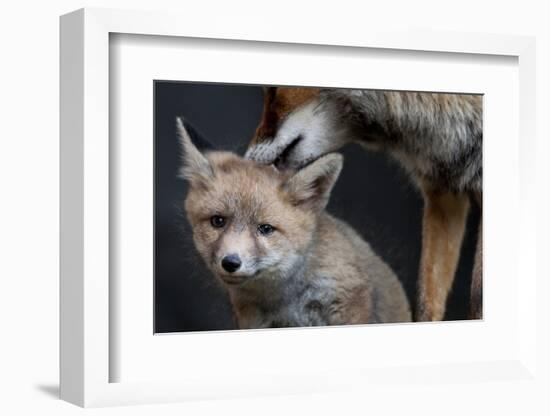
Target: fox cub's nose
{"x": 231, "y": 263}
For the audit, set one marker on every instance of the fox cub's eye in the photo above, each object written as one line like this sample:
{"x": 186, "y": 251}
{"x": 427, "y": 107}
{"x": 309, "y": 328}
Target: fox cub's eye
{"x": 266, "y": 229}
{"x": 217, "y": 221}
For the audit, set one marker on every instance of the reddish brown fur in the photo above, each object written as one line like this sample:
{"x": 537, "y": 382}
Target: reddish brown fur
{"x": 278, "y": 102}
{"x": 443, "y": 230}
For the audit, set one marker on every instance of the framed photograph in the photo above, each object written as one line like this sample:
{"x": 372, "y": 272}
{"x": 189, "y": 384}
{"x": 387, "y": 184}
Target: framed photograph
{"x": 279, "y": 213}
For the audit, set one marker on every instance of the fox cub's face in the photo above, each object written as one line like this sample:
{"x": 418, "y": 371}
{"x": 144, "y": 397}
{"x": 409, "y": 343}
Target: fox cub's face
{"x": 251, "y": 221}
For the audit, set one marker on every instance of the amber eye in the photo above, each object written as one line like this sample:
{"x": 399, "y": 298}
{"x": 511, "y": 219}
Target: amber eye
{"x": 266, "y": 229}
{"x": 217, "y": 221}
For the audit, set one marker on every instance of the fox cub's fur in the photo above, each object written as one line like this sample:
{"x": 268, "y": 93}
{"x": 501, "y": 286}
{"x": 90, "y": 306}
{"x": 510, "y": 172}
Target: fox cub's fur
{"x": 283, "y": 259}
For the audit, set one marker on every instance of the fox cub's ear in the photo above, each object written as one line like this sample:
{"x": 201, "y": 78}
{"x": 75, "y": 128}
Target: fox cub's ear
{"x": 195, "y": 168}
{"x": 311, "y": 186}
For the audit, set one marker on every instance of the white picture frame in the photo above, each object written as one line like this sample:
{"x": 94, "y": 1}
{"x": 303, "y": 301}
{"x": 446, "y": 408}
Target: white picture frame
{"x": 86, "y": 303}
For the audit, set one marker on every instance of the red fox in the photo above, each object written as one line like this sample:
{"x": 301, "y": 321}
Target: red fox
{"x": 436, "y": 137}
{"x": 283, "y": 259}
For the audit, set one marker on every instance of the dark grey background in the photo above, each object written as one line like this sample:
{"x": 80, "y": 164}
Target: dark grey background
{"x": 372, "y": 194}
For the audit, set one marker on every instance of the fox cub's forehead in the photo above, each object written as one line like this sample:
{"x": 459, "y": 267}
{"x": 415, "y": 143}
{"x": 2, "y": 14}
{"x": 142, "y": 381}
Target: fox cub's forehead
{"x": 243, "y": 185}
{"x": 228, "y": 166}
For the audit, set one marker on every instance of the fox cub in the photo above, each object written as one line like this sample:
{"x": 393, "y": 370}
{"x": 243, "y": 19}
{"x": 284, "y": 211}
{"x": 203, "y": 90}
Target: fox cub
{"x": 284, "y": 260}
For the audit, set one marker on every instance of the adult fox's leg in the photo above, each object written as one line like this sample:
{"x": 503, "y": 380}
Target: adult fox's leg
{"x": 476, "y": 296}
{"x": 443, "y": 228}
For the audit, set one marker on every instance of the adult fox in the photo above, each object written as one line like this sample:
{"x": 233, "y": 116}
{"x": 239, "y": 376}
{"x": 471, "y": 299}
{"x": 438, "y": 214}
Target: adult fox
{"x": 436, "y": 137}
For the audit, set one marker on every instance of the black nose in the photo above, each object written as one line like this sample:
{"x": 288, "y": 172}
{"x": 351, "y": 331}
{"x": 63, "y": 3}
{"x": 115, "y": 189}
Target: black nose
{"x": 231, "y": 263}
